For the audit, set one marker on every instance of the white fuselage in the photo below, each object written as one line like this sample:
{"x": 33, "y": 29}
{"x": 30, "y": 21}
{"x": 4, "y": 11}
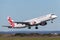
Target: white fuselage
{"x": 37, "y": 20}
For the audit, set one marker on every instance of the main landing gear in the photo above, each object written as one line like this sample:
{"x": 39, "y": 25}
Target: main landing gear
{"x": 35, "y": 27}
{"x": 29, "y": 27}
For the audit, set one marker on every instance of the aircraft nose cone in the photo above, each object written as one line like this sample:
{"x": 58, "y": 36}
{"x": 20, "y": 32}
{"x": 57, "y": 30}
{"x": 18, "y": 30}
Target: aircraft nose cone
{"x": 54, "y": 16}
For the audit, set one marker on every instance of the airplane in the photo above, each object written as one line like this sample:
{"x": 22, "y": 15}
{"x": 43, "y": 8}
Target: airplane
{"x": 32, "y": 22}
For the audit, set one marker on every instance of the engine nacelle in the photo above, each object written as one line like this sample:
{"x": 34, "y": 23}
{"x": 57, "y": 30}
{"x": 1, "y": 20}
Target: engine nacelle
{"x": 43, "y": 23}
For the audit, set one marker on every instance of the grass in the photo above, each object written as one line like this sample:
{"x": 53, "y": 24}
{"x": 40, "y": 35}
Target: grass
{"x": 29, "y": 38}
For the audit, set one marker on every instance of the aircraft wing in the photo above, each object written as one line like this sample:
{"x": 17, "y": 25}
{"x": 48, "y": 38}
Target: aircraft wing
{"x": 26, "y": 23}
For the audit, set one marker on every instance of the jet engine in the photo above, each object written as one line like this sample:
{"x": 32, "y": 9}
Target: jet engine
{"x": 43, "y": 23}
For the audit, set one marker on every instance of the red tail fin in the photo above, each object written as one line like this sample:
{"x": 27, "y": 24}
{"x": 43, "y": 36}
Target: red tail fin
{"x": 11, "y": 22}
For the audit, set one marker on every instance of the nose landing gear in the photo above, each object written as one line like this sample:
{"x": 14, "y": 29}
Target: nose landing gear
{"x": 52, "y": 21}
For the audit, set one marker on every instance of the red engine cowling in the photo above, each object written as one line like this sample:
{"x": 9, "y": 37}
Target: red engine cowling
{"x": 43, "y": 23}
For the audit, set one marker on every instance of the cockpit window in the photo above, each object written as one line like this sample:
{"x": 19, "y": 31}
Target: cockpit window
{"x": 52, "y": 14}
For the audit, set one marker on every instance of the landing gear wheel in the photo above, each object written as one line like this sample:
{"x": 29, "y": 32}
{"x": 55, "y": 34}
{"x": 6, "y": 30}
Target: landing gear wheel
{"x": 36, "y": 27}
{"x": 29, "y": 27}
{"x": 52, "y": 21}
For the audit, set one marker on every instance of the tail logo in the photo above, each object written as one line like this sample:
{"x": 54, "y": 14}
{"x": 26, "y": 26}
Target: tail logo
{"x": 11, "y": 22}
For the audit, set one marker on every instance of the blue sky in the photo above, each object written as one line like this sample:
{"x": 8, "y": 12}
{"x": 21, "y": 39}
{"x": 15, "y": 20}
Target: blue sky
{"x": 21, "y": 10}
